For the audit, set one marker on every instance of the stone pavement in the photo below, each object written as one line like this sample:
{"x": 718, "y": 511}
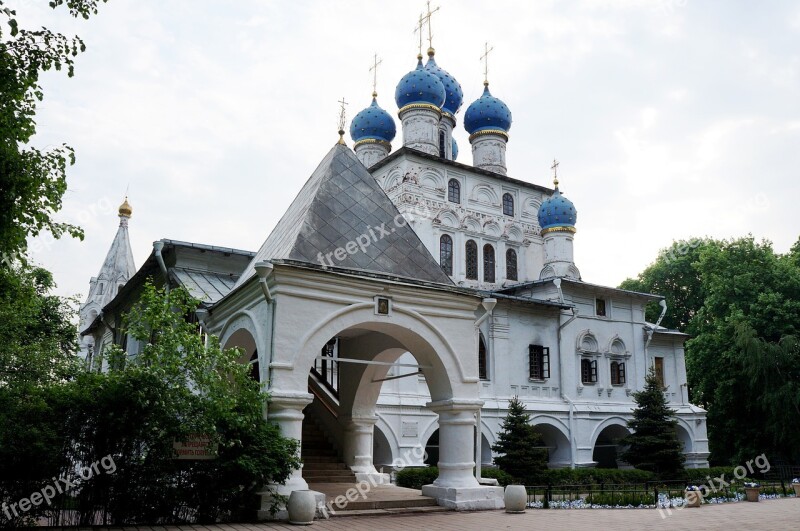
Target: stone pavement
{"x": 783, "y": 515}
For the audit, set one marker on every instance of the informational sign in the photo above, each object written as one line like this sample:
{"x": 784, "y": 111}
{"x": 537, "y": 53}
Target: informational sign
{"x": 410, "y": 429}
{"x": 196, "y": 447}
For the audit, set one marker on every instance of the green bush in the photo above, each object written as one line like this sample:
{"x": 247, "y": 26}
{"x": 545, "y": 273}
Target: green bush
{"x": 593, "y": 476}
{"x": 502, "y": 478}
{"x": 415, "y": 478}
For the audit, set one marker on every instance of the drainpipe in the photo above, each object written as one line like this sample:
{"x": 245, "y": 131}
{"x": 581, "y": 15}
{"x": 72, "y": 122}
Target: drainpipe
{"x": 158, "y": 247}
{"x": 488, "y": 305}
{"x": 663, "y": 304}
{"x": 573, "y": 442}
{"x": 263, "y": 270}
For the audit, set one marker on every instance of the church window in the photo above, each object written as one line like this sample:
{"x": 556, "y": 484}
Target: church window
{"x": 472, "y": 259}
{"x": 617, "y": 373}
{"x": 538, "y": 362}
{"x": 483, "y": 373}
{"x": 511, "y": 264}
{"x": 454, "y": 191}
{"x": 446, "y": 254}
{"x": 658, "y": 365}
{"x": 588, "y": 371}
{"x": 508, "y": 205}
{"x": 100, "y": 289}
{"x": 442, "y": 143}
{"x": 488, "y": 263}
{"x": 600, "y": 307}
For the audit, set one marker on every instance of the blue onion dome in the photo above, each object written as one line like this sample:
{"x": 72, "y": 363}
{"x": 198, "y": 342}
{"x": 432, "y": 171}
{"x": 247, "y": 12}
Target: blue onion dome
{"x": 454, "y": 96}
{"x": 373, "y": 124}
{"x": 487, "y": 113}
{"x": 557, "y": 213}
{"x": 419, "y": 87}
{"x": 454, "y": 149}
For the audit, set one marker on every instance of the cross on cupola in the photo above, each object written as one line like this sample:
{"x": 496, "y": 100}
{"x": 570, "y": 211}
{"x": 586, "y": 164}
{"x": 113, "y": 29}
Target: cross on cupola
{"x": 427, "y": 17}
{"x": 342, "y": 119}
{"x": 554, "y": 167}
{"x": 485, "y": 59}
{"x": 374, "y": 70}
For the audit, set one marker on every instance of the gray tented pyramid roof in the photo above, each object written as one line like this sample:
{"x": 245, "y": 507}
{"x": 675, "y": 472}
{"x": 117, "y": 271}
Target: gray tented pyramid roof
{"x": 341, "y": 206}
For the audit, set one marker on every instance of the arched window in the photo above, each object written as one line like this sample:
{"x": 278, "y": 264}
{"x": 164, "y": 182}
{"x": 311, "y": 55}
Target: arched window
{"x": 488, "y": 263}
{"x": 446, "y": 254}
{"x": 454, "y": 191}
{"x": 508, "y": 205}
{"x": 511, "y": 264}
{"x": 472, "y": 259}
{"x": 441, "y": 143}
{"x": 482, "y": 372}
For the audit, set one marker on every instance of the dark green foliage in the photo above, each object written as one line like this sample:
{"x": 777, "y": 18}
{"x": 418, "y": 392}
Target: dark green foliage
{"x": 741, "y": 303}
{"x": 37, "y": 338}
{"x": 593, "y": 476}
{"x": 503, "y": 478}
{"x": 32, "y": 182}
{"x": 134, "y": 414}
{"x": 519, "y": 446}
{"x": 415, "y": 478}
{"x": 653, "y": 446}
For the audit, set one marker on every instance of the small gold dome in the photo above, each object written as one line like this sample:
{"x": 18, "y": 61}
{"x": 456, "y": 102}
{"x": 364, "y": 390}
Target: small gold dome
{"x": 125, "y": 208}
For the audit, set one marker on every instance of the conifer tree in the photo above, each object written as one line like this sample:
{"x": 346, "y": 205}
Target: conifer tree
{"x": 519, "y": 444}
{"x": 654, "y": 444}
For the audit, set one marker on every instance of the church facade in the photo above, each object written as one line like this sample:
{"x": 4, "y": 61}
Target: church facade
{"x": 404, "y": 298}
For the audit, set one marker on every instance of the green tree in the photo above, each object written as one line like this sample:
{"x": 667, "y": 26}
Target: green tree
{"x": 653, "y": 446}
{"x": 713, "y": 287}
{"x": 37, "y": 337}
{"x": 519, "y": 446}
{"x": 32, "y": 181}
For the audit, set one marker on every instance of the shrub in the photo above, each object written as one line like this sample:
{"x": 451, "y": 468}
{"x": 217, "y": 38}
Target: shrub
{"x": 502, "y": 478}
{"x": 593, "y": 476}
{"x": 415, "y": 478}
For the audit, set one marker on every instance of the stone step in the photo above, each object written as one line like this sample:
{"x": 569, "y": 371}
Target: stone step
{"x": 327, "y": 473}
{"x": 330, "y": 479}
{"x": 390, "y": 511}
{"x": 311, "y": 465}
{"x": 320, "y": 458}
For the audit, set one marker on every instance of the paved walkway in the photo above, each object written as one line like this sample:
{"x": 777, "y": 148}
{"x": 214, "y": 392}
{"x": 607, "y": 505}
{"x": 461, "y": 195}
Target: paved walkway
{"x": 768, "y": 515}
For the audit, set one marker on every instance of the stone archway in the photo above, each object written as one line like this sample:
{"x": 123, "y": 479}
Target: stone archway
{"x": 369, "y": 346}
{"x": 607, "y": 448}
{"x": 559, "y": 451}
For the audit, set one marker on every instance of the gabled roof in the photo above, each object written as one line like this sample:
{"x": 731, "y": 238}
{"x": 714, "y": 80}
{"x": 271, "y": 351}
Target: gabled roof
{"x": 343, "y": 218}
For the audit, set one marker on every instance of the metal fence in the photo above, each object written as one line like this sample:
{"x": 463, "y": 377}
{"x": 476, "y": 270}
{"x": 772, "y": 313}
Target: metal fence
{"x": 650, "y": 494}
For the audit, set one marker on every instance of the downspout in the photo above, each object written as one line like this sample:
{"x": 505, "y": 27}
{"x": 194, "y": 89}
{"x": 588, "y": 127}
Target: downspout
{"x": 263, "y": 270}
{"x": 157, "y": 248}
{"x": 488, "y": 305}
{"x": 663, "y": 304}
{"x": 573, "y": 443}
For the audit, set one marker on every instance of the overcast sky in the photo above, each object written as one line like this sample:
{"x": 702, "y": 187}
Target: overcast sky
{"x": 671, "y": 118}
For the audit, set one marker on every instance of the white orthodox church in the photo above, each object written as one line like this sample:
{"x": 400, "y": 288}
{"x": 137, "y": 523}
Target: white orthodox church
{"x": 404, "y": 298}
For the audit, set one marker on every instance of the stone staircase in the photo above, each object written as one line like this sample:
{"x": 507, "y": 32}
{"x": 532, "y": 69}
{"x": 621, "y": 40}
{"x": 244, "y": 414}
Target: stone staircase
{"x": 321, "y": 464}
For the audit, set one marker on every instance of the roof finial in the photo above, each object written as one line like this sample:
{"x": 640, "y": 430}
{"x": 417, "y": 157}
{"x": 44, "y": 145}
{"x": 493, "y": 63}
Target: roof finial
{"x": 554, "y": 167}
{"x": 374, "y": 70}
{"x": 428, "y": 16}
{"x": 342, "y": 103}
{"x": 418, "y": 29}
{"x": 485, "y": 59}
{"x": 125, "y": 209}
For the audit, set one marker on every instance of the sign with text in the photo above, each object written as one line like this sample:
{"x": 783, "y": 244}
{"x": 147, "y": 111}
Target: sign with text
{"x": 196, "y": 447}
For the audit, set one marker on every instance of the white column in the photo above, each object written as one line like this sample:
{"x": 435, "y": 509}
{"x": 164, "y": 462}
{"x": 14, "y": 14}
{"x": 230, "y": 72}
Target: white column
{"x": 286, "y": 410}
{"x": 357, "y": 448}
{"x": 421, "y": 127}
{"x": 456, "y": 486}
{"x": 489, "y": 151}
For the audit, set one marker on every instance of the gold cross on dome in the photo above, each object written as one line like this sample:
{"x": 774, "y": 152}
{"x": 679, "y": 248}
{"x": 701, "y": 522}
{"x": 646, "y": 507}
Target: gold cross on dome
{"x": 485, "y": 59}
{"x": 554, "y": 167}
{"x": 374, "y": 70}
{"x": 342, "y": 120}
{"x": 428, "y": 17}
